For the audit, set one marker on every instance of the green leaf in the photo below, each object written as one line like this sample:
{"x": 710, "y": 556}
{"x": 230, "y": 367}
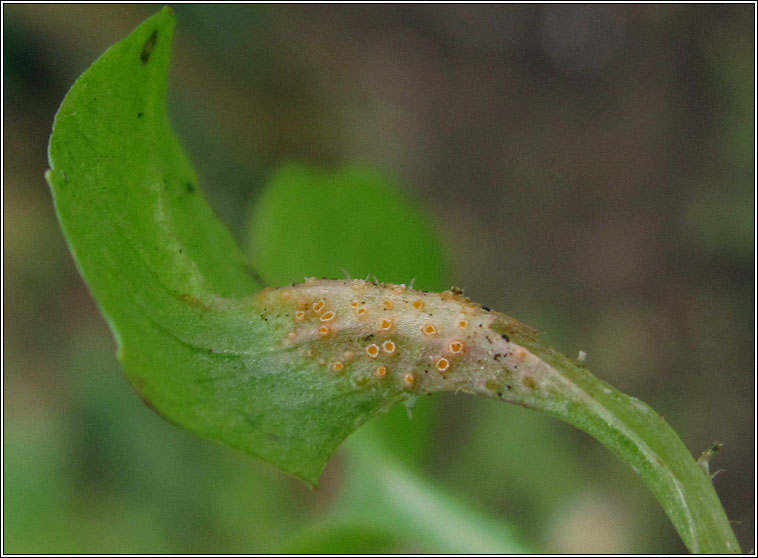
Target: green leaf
{"x": 351, "y": 221}
{"x": 288, "y": 373}
{"x": 170, "y": 280}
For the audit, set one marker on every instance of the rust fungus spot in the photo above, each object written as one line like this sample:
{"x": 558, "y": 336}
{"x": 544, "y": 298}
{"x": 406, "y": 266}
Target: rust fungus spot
{"x": 381, "y": 372}
{"x": 327, "y": 316}
{"x": 372, "y": 350}
{"x": 386, "y": 324}
{"x": 418, "y": 305}
{"x": 362, "y": 311}
{"x": 338, "y": 367}
{"x": 455, "y": 347}
{"x": 324, "y": 331}
{"x": 300, "y": 315}
{"x": 319, "y": 306}
{"x": 463, "y": 324}
{"x": 355, "y": 304}
{"x": 409, "y": 379}
{"x": 388, "y": 305}
{"x": 389, "y": 347}
{"x": 442, "y": 364}
{"x": 429, "y": 330}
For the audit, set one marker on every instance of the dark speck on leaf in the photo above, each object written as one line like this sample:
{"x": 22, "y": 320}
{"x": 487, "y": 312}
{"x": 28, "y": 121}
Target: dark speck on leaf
{"x": 190, "y": 187}
{"x": 504, "y": 336}
{"x": 139, "y": 115}
{"x": 486, "y": 309}
{"x": 147, "y": 50}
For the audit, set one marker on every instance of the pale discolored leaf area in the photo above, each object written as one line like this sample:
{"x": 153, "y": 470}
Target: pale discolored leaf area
{"x": 286, "y": 374}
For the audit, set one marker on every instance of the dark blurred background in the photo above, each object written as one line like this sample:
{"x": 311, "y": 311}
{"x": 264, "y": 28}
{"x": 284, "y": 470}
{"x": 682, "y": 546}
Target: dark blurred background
{"x": 590, "y": 169}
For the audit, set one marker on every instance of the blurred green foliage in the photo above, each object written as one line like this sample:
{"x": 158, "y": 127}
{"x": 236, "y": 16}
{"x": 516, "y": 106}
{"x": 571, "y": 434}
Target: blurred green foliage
{"x": 574, "y": 201}
{"x": 346, "y": 223}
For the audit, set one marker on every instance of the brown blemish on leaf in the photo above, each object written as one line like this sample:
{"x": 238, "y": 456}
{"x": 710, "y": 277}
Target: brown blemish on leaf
{"x": 147, "y": 50}
{"x": 194, "y": 301}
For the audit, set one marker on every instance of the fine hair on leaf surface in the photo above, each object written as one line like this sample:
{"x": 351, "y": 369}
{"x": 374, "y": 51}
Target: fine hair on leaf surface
{"x": 287, "y": 373}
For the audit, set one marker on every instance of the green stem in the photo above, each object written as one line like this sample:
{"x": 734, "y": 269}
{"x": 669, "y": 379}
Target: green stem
{"x": 416, "y": 509}
{"x": 639, "y": 436}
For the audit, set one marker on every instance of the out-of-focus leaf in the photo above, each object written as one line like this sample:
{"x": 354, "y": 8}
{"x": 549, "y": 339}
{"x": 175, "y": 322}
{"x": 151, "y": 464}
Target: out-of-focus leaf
{"x": 337, "y": 538}
{"x": 418, "y": 510}
{"x": 350, "y": 221}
